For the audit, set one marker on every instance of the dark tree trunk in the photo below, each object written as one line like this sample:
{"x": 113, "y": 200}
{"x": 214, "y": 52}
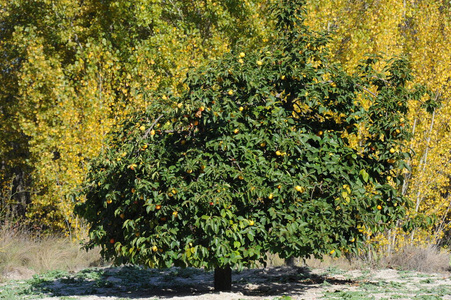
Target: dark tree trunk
{"x": 289, "y": 262}
{"x": 223, "y": 279}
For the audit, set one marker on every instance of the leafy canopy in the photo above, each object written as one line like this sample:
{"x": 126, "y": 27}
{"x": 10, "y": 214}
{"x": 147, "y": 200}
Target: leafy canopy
{"x": 273, "y": 150}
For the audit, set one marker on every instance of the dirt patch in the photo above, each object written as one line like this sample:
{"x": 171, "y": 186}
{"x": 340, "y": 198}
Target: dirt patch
{"x": 17, "y": 273}
{"x": 194, "y": 284}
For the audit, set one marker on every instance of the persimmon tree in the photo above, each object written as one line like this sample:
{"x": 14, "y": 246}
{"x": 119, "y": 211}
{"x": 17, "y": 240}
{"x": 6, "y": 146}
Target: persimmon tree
{"x": 272, "y": 150}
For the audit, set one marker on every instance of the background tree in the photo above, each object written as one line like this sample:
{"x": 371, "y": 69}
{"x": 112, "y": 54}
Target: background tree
{"x": 275, "y": 149}
{"x": 71, "y": 70}
{"x": 421, "y": 31}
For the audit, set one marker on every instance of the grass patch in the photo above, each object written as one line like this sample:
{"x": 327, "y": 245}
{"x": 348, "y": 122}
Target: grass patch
{"x": 426, "y": 259}
{"x": 23, "y": 255}
{"x": 422, "y": 259}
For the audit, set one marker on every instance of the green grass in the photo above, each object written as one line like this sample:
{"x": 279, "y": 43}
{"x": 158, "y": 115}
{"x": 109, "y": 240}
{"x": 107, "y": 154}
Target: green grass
{"x": 351, "y": 295}
{"x": 409, "y": 288}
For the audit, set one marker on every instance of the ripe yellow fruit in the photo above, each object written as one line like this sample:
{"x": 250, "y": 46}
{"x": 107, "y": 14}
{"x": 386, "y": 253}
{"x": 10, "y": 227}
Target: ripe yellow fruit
{"x": 283, "y": 77}
{"x": 154, "y": 248}
{"x": 152, "y": 132}
{"x": 352, "y": 240}
{"x": 241, "y": 61}
{"x": 236, "y": 131}
{"x": 392, "y": 150}
{"x": 270, "y": 196}
{"x": 142, "y": 128}
{"x": 401, "y": 120}
{"x": 241, "y": 108}
{"x": 332, "y": 252}
{"x": 240, "y": 177}
{"x": 259, "y": 62}
{"x": 379, "y": 207}
{"x": 251, "y": 223}
{"x": 122, "y": 216}
{"x": 175, "y": 214}
{"x": 278, "y": 153}
{"x": 183, "y": 142}
{"x": 109, "y": 201}
{"x": 299, "y": 188}
{"x": 242, "y": 54}
{"x": 230, "y": 92}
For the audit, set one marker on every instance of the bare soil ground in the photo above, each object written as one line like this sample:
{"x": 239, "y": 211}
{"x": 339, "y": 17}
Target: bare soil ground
{"x": 193, "y": 284}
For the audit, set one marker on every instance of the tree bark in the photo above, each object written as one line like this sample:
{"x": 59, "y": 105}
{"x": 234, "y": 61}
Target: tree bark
{"x": 289, "y": 262}
{"x": 223, "y": 279}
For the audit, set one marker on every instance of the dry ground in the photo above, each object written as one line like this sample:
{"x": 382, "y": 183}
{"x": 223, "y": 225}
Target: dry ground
{"x": 267, "y": 283}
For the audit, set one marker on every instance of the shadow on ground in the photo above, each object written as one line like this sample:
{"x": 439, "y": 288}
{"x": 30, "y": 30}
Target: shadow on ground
{"x": 138, "y": 283}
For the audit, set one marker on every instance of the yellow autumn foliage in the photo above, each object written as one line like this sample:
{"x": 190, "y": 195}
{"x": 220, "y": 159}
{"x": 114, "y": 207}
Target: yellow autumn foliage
{"x": 71, "y": 71}
{"x": 421, "y": 31}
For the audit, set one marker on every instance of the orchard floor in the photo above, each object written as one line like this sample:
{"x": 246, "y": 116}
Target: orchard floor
{"x": 279, "y": 283}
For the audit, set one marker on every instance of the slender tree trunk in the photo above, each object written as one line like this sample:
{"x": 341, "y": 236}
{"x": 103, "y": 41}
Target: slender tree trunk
{"x": 425, "y": 162}
{"x": 223, "y": 279}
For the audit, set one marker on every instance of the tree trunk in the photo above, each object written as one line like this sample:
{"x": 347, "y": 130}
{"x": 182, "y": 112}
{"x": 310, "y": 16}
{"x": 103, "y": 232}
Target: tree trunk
{"x": 289, "y": 262}
{"x": 223, "y": 279}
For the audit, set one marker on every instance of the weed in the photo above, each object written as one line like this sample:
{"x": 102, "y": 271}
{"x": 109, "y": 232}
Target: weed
{"x": 351, "y": 295}
{"x": 440, "y": 290}
{"x": 325, "y": 283}
{"x": 283, "y": 298}
{"x": 90, "y": 274}
{"x": 428, "y": 280}
{"x": 334, "y": 271}
{"x": 427, "y": 297}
